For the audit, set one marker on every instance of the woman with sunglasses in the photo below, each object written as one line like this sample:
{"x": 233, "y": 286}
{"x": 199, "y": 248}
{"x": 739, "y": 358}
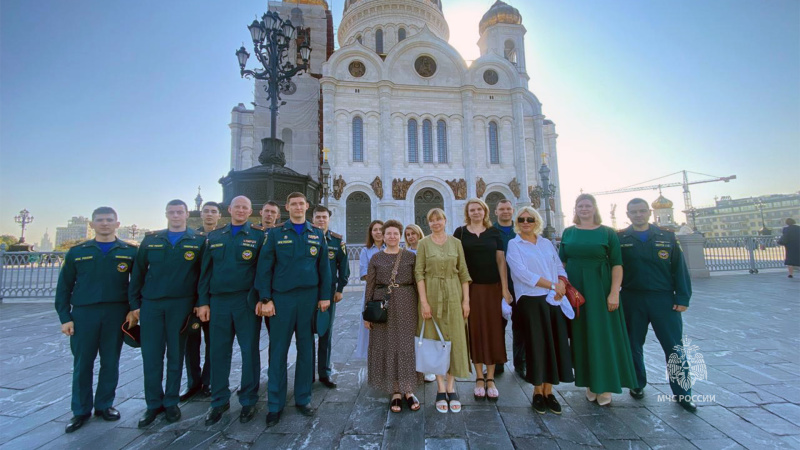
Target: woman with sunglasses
{"x": 535, "y": 268}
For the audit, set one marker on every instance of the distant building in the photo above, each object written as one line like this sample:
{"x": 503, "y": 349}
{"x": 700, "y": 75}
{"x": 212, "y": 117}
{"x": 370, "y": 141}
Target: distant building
{"x": 77, "y": 228}
{"x": 132, "y": 233}
{"x": 664, "y": 214}
{"x": 46, "y": 245}
{"x": 743, "y": 216}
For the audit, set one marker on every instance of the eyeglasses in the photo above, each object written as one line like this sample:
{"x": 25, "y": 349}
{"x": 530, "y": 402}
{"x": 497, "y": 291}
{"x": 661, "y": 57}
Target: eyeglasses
{"x": 526, "y": 219}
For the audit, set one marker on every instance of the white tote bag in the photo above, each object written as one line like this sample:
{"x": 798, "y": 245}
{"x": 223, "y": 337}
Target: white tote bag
{"x": 433, "y": 355}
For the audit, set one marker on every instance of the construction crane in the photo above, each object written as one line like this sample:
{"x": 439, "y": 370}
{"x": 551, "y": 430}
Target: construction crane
{"x": 614, "y": 216}
{"x": 687, "y": 195}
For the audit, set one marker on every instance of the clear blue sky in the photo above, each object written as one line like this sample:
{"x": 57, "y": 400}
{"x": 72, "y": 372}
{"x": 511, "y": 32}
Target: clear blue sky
{"x": 127, "y": 104}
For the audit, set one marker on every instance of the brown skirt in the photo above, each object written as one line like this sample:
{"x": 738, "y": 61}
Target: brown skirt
{"x": 487, "y": 343}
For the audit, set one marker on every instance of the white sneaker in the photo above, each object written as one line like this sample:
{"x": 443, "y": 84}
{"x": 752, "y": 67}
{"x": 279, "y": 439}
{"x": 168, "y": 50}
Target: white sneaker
{"x": 430, "y": 377}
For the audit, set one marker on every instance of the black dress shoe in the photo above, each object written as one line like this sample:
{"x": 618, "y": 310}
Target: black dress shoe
{"x": 688, "y": 405}
{"x": 215, "y": 413}
{"x": 538, "y": 403}
{"x": 172, "y": 413}
{"x": 247, "y": 414}
{"x": 191, "y": 392}
{"x": 149, "y": 416}
{"x": 520, "y": 372}
{"x": 76, "y": 422}
{"x": 109, "y": 414}
{"x": 327, "y": 383}
{"x": 306, "y": 410}
{"x": 499, "y": 368}
{"x": 637, "y": 393}
{"x": 273, "y": 418}
{"x": 552, "y": 404}
{"x": 205, "y": 392}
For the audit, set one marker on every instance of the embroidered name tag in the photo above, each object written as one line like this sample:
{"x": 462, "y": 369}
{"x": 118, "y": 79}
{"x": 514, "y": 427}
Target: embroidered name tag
{"x": 123, "y": 257}
{"x": 217, "y": 245}
{"x": 155, "y": 245}
{"x": 195, "y": 247}
{"x": 84, "y": 258}
{"x": 285, "y": 242}
{"x": 626, "y": 245}
{"x": 663, "y": 244}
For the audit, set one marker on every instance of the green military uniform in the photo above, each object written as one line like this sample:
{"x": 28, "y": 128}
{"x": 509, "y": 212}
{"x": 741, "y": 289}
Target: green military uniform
{"x": 294, "y": 273}
{"x": 340, "y": 272}
{"x": 654, "y": 279}
{"x": 92, "y": 293}
{"x": 164, "y": 286}
{"x": 226, "y": 285}
{"x": 195, "y": 375}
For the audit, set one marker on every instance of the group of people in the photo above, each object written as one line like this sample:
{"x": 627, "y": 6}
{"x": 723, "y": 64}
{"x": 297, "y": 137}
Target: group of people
{"x": 222, "y": 280}
{"x": 456, "y": 284}
{"x": 217, "y": 281}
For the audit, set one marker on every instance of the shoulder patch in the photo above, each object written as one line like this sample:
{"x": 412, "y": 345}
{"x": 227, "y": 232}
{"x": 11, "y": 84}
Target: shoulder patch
{"x": 199, "y": 233}
{"x": 151, "y": 233}
{"x": 336, "y": 235}
{"x": 257, "y": 226}
{"x": 279, "y": 224}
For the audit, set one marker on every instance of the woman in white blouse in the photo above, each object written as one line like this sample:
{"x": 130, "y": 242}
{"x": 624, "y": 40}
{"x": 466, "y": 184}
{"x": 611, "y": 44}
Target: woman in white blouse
{"x": 535, "y": 267}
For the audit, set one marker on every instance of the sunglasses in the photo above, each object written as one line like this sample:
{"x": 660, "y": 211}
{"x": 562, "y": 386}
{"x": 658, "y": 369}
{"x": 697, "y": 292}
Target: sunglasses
{"x": 526, "y": 219}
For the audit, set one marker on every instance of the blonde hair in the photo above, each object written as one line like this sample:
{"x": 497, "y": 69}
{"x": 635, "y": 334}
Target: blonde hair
{"x": 416, "y": 229}
{"x": 537, "y": 227}
{"x": 596, "y": 219}
{"x": 435, "y": 212}
{"x": 486, "y": 222}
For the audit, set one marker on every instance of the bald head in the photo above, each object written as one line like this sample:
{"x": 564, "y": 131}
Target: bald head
{"x": 240, "y": 209}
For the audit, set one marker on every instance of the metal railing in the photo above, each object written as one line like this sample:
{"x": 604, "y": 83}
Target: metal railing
{"x": 751, "y": 253}
{"x": 29, "y": 274}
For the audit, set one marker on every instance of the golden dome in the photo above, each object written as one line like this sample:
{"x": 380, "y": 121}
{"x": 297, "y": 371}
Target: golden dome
{"x": 309, "y": 2}
{"x": 500, "y": 13}
{"x": 662, "y": 203}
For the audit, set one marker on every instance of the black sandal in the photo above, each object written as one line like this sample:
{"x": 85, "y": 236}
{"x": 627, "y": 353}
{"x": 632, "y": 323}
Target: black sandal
{"x": 413, "y": 403}
{"x": 396, "y": 402}
{"x": 442, "y": 405}
{"x": 453, "y": 402}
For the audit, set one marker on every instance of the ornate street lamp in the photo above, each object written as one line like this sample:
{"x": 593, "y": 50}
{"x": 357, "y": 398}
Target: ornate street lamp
{"x": 547, "y": 190}
{"x": 134, "y": 230}
{"x": 764, "y": 231}
{"x": 272, "y": 38}
{"x": 326, "y": 175}
{"x": 23, "y": 219}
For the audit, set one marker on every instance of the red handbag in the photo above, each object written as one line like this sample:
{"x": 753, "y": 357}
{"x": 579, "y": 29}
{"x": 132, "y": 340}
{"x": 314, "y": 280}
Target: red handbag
{"x": 573, "y": 295}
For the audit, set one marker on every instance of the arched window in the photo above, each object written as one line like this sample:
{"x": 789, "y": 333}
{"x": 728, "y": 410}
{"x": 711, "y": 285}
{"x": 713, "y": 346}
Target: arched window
{"x": 494, "y": 149}
{"x": 413, "y": 147}
{"x": 511, "y": 51}
{"x": 401, "y": 34}
{"x": 379, "y": 41}
{"x": 441, "y": 140}
{"x": 358, "y": 139}
{"x": 427, "y": 141}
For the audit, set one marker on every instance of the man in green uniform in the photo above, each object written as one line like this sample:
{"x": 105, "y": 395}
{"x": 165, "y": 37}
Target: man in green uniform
{"x": 270, "y": 215}
{"x": 294, "y": 279}
{"x": 505, "y": 215}
{"x": 655, "y": 289}
{"x": 92, "y": 305}
{"x": 340, "y": 272}
{"x": 162, "y": 294}
{"x": 198, "y": 380}
{"x": 226, "y": 298}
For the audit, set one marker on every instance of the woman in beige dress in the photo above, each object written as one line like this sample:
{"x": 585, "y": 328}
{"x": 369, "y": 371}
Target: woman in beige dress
{"x": 443, "y": 284}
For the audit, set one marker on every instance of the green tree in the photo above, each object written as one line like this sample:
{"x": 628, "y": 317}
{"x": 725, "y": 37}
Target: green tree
{"x": 8, "y": 240}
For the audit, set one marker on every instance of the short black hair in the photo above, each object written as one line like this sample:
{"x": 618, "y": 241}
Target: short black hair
{"x": 504, "y": 200}
{"x": 271, "y": 203}
{"x": 104, "y": 210}
{"x": 214, "y": 204}
{"x": 321, "y": 209}
{"x": 296, "y": 195}
{"x": 178, "y": 202}
{"x": 637, "y": 200}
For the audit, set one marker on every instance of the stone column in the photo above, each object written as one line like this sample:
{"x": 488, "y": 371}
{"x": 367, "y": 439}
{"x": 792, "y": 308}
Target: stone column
{"x": 236, "y": 139}
{"x": 387, "y": 205}
{"x": 692, "y": 246}
{"x": 329, "y": 124}
{"x": 520, "y": 158}
{"x": 468, "y": 154}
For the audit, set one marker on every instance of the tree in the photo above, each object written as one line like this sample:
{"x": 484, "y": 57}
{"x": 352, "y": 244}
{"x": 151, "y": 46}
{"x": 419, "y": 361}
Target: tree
{"x": 8, "y": 240}
{"x": 68, "y": 244}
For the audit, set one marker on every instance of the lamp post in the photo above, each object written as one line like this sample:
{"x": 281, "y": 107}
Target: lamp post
{"x": 23, "y": 219}
{"x": 134, "y": 229}
{"x": 326, "y": 174}
{"x": 198, "y": 201}
{"x": 272, "y": 38}
{"x": 764, "y": 231}
{"x": 547, "y": 190}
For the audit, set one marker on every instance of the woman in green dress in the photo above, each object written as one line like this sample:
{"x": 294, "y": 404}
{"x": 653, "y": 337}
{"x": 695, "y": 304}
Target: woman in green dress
{"x": 601, "y": 352}
{"x": 443, "y": 283}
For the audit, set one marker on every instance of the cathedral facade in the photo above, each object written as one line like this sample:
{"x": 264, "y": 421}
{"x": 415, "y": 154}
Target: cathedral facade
{"x": 405, "y": 122}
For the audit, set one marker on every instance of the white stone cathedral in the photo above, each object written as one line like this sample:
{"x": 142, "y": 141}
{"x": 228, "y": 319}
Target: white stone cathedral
{"x": 407, "y": 123}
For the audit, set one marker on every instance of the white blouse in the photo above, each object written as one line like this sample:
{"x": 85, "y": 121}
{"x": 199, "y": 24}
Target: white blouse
{"x": 530, "y": 262}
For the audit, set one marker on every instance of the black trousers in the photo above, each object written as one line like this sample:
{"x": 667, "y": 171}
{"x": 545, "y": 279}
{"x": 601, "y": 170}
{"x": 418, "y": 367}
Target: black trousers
{"x": 195, "y": 376}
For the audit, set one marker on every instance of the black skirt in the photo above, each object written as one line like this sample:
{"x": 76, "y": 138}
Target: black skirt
{"x": 545, "y": 336}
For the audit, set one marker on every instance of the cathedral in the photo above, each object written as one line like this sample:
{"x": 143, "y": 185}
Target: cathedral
{"x": 405, "y": 122}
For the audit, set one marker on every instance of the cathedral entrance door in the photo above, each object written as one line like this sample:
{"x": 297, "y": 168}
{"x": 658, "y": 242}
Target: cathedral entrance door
{"x": 424, "y": 201}
{"x": 359, "y": 215}
{"x": 491, "y": 201}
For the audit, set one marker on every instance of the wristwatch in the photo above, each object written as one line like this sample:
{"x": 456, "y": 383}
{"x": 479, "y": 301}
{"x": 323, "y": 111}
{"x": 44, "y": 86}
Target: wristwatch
{"x": 552, "y": 287}
{"x": 266, "y": 301}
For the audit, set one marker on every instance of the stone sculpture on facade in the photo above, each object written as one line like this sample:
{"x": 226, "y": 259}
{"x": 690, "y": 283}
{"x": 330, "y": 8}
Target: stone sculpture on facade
{"x": 514, "y": 186}
{"x": 480, "y": 187}
{"x": 535, "y": 193}
{"x": 338, "y": 187}
{"x": 400, "y": 188}
{"x": 377, "y": 187}
{"x": 459, "y": 187}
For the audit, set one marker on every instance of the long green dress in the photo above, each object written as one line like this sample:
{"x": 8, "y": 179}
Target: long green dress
{"x": 444, "y": 269}
{"x": 601, "y": 352}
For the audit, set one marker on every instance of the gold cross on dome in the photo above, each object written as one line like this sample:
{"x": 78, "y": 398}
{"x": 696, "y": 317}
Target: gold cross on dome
{"x": 544, "y": 157}
{"x": 325, "y": 152}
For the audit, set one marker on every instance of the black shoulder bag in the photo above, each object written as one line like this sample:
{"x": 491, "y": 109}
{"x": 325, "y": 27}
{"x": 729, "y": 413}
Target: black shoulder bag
{"x": 375, "y": 311}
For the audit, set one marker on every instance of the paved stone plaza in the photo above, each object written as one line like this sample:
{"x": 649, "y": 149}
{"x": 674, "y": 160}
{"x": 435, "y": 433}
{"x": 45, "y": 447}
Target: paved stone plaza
{"x": 746, "y": 328}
